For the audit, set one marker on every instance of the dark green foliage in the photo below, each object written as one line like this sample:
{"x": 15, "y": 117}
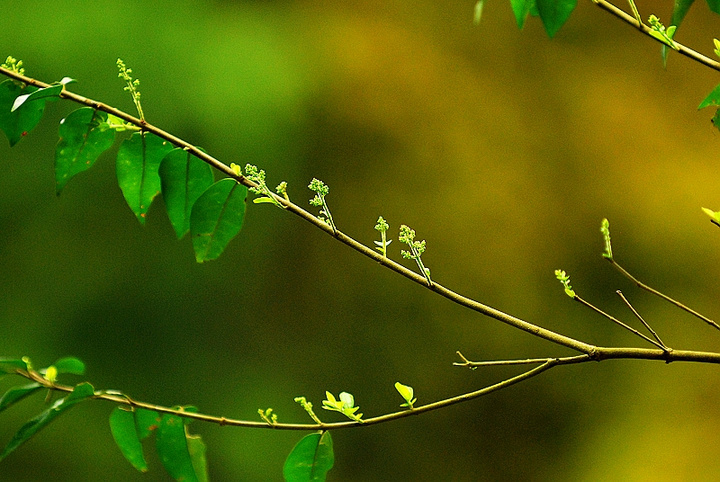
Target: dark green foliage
{"x": 15, "y": 394}
{"x": 138, "y": 161}
{"x": 84, "y": 135}
{"x": 217, "y": 217}
{"x": 174, "y": 451}
{"x": 81, "y": 392}
{"x": 554, "y": 13}
{"x": 184, "y": 178}
{"x": 124, "y": 431}
{"x": 310, "y": 459}
{"x": 11, "y": 365}
{"x": 16, "y": 124}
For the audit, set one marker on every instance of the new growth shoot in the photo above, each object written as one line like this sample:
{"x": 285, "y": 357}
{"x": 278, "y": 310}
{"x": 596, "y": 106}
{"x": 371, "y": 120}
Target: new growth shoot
{"x": 132, "y": 86}
{"x": 14, "y": 65}
{"x": 258, "y": 177}
{"x": 382, "y": 226}
{"x": 321, "y": 190}
{"x": 345, "y": 405}
{"x": 417, "y": 248}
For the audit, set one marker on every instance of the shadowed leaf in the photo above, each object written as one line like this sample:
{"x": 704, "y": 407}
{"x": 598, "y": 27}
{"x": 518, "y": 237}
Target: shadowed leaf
{"x": 310, "y": 459}
{"x": 217, "y": 217}
{"x": 137, "y": 166}
{"x": 172, "y": 447}
{"x": 15, "y": 394}
{"x": 16, "y": 124}
{"x": 122, "y": 427}
{"x": 184, "y": 178}
{"x": 80, "y": 393}
{"x": 84, "y": 135}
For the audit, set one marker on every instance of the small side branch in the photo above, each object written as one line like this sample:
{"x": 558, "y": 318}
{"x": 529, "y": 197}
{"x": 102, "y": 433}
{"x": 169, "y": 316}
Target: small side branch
{"x": 642, "y": 320}
{"x": 649, "y": 289}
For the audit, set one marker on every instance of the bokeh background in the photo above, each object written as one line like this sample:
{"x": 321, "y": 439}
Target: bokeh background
{"x": 502, "y": 148}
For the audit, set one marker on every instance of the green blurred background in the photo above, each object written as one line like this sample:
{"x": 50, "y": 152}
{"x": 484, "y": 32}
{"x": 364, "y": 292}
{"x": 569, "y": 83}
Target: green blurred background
{"x": 501, "y": 148}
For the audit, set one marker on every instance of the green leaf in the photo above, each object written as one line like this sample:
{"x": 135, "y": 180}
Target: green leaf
{"x": 196, "y": 448}
{"x": 310, "y": 459}
{"x": 145, "y": 422}
{"x": 84, "y": 135}
{"x": 217, "y": 217}
{"x": 15, "y": 394}
{"x": 173, "y": 450}
{"x": 122, "y": 427}
{"x": 16, "y": 124}
{"x": 40, "y": 94}
{"x": 11, "y": 365}
{"x": 521, "y": 8}
{"x": 713, "y": 98}
{"x": 184, "y": 178}
{"x": 70, "y": 365}
{"x": 138, "y": 161}
{"x": 81, "y": 392}
{"x": 714, "y": 5}
{"x": 554, "y": 13}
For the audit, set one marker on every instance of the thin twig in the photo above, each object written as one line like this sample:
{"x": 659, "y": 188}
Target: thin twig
{"x": 647, "y": 288}
{"x": 620, "y": 323}
{"x": 642, "y": 320}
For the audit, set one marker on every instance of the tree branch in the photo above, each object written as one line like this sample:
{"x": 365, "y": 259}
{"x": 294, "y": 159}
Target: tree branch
{"x": 684, "y": 50}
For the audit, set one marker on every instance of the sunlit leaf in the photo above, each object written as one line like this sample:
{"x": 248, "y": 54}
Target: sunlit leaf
{"x": 17, "y": 124}
{"x": 554, "y": 13}
{"x": 138, "y": 161}
{"x": 172, "y": 447}
{"x": 84, "y": 135}
{"x": 81, "y": 392}
{"x": 310, "y": 459}
{"x": 122, "y": 427}
{"x": 15, "y": 394}
{"x": 217, "y": 217}
{"x": 184, "y": 178}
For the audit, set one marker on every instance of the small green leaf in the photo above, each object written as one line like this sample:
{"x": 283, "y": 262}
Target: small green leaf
{"x": 70, "y": 365}
{"x": 16, "y": 124}
{"x": 713, "y": 98}
{"x": 184, "y": 178}
{"x": 84, "y": 135}
{"x": 172, "y": 447}
{"x": 217, "y": 217}
{"x": 11, "y": 365}
{"x": 138, "y": 161}
{"x": 521, "y": 8}
{"x": 122, "y": 427}
{"x": 310, "y": 459}
{"x": 146, "y": 421}
{"x": 554, "y": 13}
{"x": 15, "y": 394}
{"x": 81, "y": 392}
